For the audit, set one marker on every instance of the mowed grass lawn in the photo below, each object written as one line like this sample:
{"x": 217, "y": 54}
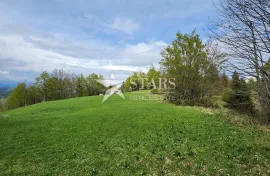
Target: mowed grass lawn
{"x": 82, "y": 136}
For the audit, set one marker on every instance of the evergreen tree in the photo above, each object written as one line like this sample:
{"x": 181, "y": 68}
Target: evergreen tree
{"x": 240, "y": 98}
{"x": 224, "y": 81}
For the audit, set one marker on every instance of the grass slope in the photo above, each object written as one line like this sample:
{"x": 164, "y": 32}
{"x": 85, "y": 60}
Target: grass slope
{"x": 81, "y": 136}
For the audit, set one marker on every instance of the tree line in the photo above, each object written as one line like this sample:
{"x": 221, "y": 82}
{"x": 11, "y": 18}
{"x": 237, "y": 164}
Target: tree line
{"x": 142, "y": 81}
{"x": 56, "y": 85}
{"x": 200, "y": 75}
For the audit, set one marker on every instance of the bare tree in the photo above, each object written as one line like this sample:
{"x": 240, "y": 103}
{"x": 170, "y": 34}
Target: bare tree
{"x": 243, "y": 27}
{"x": 215, "y": 55}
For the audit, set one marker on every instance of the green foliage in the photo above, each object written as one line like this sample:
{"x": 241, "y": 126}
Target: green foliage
{"x": 214, "y": 79}
{"x": 226, "y": 95}
{"x": 142, "y": 81}
{"x": 81, "y": 136}
{"x": 54, "y": 86}
{"x": 239, "y": 97}
{"x": 18, "y": 97}
{"x": 186, "y": 61}
{"x": 42, "y": 83}
{"x": 34, "y": 95}
{"x": 153, "y": 76}
{"x": 137, "y": 81}
{"x": 252, "y": 84}
{"x": 93, "y": 87}
{"x": 224, "y": 81}
{"x": 156, "y": 91}
{"x": 89, "y": 86}
{"x": 220, "y": 84}
{"x": 217, "y": 60}
{"x": 81, "y": 86}
{"x": 126, "y": 87}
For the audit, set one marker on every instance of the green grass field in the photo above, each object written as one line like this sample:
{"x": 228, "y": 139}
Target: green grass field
{"x": 82, "y": 136}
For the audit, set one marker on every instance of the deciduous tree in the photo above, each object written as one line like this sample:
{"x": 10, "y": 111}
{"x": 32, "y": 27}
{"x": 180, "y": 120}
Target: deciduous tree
{"x": 186, "y": 61}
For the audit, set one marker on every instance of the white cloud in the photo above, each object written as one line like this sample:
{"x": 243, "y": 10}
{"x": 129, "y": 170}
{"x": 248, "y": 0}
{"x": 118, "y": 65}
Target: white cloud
{"x": 125, "y": 68}
{"x": 4, "y": 72}
{"x": 35, "y": 54}
{"x": 125, "y": 25}
{"x": 143, "y": 54}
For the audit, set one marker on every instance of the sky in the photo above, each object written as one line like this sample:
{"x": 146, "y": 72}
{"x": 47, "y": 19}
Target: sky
{"x": 85, "y": 36}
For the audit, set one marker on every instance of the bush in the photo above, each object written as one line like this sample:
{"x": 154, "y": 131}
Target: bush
{"x": 156, "y": 91}
{"x": 226, "y": 95}
{"x": 239, "y": 97}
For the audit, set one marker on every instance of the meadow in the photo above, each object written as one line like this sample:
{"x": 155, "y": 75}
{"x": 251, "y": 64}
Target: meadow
{"x": 82, "y": 136}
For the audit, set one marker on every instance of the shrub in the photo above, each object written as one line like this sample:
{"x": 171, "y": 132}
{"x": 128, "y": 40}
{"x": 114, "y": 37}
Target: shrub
{"x": 154, "y": 91}
{"x": 239, "y": 97}
{"x": 226, "y": 95}
{"x": 157, "y": 91}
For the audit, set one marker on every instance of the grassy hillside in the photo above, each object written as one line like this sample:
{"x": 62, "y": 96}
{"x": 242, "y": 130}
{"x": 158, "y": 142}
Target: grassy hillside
{"x": 82, "y": 136}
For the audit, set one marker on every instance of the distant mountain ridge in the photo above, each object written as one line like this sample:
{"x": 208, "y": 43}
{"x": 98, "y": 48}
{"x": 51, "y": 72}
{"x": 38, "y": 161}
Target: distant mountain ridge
{"x": 8, "y": 85}
{"x": 5, "y": 91}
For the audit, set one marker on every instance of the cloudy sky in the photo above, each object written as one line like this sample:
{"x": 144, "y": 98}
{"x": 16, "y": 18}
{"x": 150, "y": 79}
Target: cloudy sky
{"x": 85, "y": 36}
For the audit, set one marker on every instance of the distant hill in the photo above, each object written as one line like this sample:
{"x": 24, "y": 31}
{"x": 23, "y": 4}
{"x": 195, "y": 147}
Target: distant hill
{"x": 5, "y": 91}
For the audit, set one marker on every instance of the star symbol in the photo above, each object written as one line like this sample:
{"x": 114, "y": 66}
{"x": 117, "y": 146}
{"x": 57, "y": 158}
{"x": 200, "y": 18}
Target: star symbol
{"x": 111, "y": 89}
